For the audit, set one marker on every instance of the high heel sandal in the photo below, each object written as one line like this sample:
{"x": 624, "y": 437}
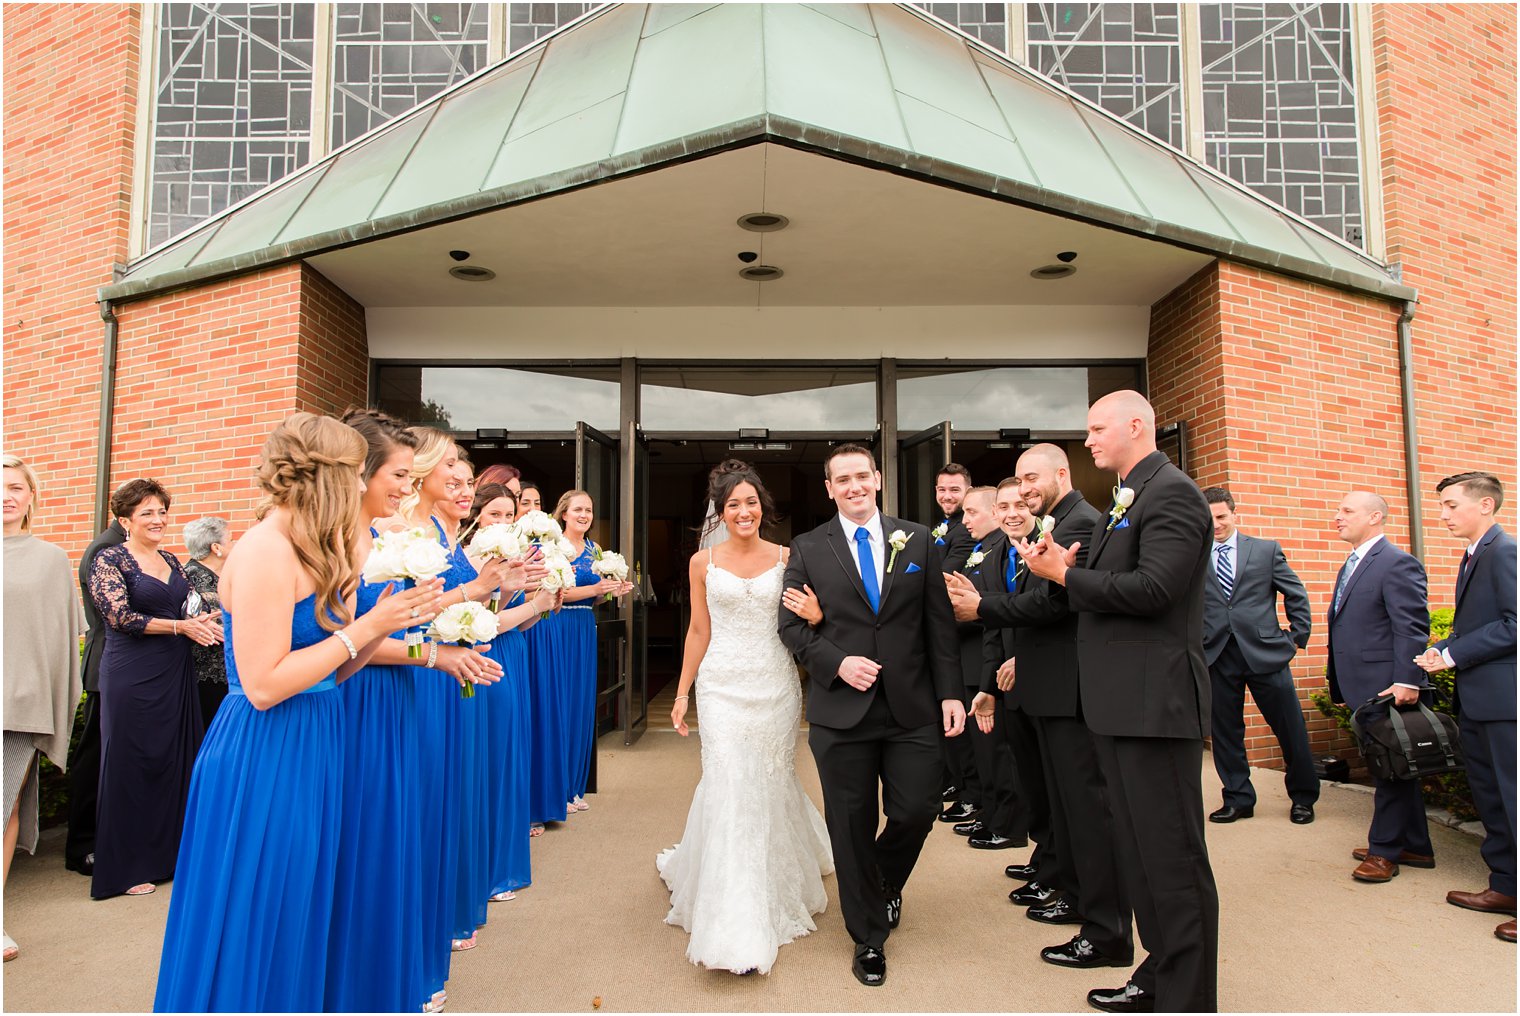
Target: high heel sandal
{"x": 463, "y": 944}
{"x": 503, "y": 896}
{"x": 536, "y": 829}
{"x": 142, "y": 889}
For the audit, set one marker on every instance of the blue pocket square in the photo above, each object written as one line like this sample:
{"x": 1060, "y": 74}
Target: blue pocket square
{"x": 913, "y": 568}
{"x": 1122, "y": 524}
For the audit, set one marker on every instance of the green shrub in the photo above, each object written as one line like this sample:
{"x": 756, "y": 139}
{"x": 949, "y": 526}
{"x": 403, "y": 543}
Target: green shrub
{"x": 1449, "y": 790}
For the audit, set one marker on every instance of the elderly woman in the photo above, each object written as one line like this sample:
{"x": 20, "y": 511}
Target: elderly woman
{"x": 208, "y": 543}
{"x": 150, "y": 721}
{"x": 43, "y": 623}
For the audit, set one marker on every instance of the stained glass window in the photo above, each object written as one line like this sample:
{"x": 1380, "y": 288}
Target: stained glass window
{"x": 1279, "y": 107}
{"x": 233, "y": 106}
{"x": 1126, "y": 58}
{"x": 387, "y": 58}
{"x": 987, "y": 22}
{"x": 529, "y": 22}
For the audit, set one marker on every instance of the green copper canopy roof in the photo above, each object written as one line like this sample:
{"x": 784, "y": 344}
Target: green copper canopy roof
{"x": 637, "y": 86}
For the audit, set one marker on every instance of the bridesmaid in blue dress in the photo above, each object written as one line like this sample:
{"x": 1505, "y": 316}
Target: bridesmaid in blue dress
{"x": 509, "y": 734}
{"x": 575, "y": 645}
{"x": 546, "y": 751}
{"x": 375, "y": 951}
{"x": 251, "y": 912}
{"x": 441, "y": 754}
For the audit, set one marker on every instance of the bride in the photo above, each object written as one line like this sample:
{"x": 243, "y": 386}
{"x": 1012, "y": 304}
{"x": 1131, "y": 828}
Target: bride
{"x": 747, "y": 876}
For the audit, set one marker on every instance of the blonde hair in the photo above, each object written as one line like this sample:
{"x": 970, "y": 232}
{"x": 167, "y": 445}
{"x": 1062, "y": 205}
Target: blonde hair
{"x": 14, "y": 462}
{"x": 564, "y": 503}
{"x": 310, "y": 467}
{"x": 433, "y": 446}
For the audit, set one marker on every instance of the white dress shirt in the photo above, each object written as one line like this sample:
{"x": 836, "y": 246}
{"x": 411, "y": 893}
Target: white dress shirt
{"x": 878, "y": 544}
{"x": 1361, "y": 555}
{"x": 1234, "y": 546}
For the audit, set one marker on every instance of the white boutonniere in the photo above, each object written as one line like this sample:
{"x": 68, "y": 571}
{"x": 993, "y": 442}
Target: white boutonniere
{"x": 1047, "y": 526}
{"x": 1123, "y": 498}
{"x": 897, "y": 541}
{"x": 939, "y": 531}
{"x": 975, "y": 558}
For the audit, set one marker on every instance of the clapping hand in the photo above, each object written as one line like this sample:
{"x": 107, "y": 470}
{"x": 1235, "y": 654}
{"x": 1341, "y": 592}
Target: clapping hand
{"x": 982, "y": 708}
{"x": 954, "y": 713}
{"x": 467, "y": 666}
{"x": 409, "y": 608}
{"x": 1047, "y": 558}
{"x": 965, "y": 599}
{"x": 202, "y": 630}
{"x": 1005, "y": 675}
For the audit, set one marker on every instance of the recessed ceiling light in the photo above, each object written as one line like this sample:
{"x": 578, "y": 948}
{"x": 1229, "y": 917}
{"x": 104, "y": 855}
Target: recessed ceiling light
{"x": 1047, "y": 272}
{"x": 472, "y": 273}
{"x": 763, "y": 222}
{"x": 760, "y": 273}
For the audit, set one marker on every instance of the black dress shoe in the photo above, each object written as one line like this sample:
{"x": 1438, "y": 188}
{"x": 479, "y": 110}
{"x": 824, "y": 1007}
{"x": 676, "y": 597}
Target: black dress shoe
{"x": 870, "y": 966}
{"x": 996, "y": 842}
{"x": 960, "y": 811}
{"x": 1301, "y": 814}
{"x": 85, "y": 867}
{"x": 1079, "y": 952}
{"x": 1057, "y": 911}
{"x": 950, "y": 793}
{"x": 1021, "y": 871}
{"x": 1126, "y": 999}
{"x": 1230, "y": 813}
{"x": 1031, "y": 894}
{"x": 976, "y": 827}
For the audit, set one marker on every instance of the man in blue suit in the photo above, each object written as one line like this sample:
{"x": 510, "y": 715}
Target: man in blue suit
{"x": 1379, "y": 622}
{"x": 1481, "y": 647}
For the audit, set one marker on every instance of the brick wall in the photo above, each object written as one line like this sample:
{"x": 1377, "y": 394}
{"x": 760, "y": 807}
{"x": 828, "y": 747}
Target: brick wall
{"x": 1445, "y": 79}
{"x": 70, "y": 120}
{"x": 204, "y": 375}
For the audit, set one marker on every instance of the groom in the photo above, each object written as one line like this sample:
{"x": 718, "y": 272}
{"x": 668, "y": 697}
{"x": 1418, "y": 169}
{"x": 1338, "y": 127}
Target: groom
{"x": 884, "y": 683}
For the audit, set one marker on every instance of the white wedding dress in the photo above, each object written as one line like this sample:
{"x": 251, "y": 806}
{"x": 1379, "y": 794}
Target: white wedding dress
{"x": 747, "y": 876}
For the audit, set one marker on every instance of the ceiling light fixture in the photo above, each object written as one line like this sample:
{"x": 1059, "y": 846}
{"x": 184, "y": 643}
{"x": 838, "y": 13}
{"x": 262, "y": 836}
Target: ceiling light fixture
{"x": 763, "y": 222}
{"x": 472, "y": 273}
{"x": 1047, "y": 272}
{"x": 760, "y": 273}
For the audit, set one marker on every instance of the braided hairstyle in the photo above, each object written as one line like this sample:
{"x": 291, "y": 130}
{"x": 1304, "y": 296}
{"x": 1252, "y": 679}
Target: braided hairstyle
{"x": 382, "y": 433}
{"x": 310, "y": 467}
{"x": 721, "y": 482}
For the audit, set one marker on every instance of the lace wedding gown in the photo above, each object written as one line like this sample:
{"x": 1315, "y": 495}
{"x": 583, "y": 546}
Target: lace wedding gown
{"x": 747, "y": 876}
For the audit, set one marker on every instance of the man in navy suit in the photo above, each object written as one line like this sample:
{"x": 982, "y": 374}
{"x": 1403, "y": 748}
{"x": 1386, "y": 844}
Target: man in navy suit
{"x": 1379, "y": 622}
{"x": 1481, "y": 647}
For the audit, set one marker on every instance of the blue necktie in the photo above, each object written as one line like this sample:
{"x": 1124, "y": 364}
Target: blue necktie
{"x": 1012, "y": 577}
{"x": 1340, "y": 587}
{"x": 868, "y": 568}
{"x": 1225, "y": 571}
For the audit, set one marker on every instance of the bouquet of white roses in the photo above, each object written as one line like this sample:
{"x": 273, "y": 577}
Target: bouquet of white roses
{"x": 466, "y": 623}
{"x": 560, "y": 574}
{"x": 404, "y": 556}
{"x": 609, "y": 564}
{"x": 539, "y": 528}
{"x": 502, "y": 540}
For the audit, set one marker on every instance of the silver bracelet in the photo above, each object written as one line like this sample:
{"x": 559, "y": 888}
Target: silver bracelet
{"x": 432, "y": 659}
{"x": 682, "y": 698}
{"x": 353, "y": 653}
{"x": 174, "y": 625}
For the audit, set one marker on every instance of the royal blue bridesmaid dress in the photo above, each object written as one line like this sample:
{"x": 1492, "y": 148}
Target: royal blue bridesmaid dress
{"x": 376, "y": 948}
{"x": 546, "y": 725}
{"x": 576, "y": 654}
{"x": 508, "y": 761}
{"x": 253, "y": 894}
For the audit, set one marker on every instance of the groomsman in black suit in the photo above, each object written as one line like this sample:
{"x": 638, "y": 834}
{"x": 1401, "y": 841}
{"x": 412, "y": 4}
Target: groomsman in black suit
{"x": 1005, "y": 812}
{"x": 884, "y": 685}
{"x": 1246, "y": 645}
{"x": 1145, "y": 697}
{"x": 1481, "y": 648}
{"x": 962, "y": 783}
{"x": 1379, "y": 623}
{"x": 84, "y": 762}
{"x": 1044, "y": 682}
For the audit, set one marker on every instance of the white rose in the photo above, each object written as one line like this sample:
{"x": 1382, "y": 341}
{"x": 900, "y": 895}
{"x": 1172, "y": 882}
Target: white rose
{"x": 975, "y": 558}
{"x": 1124, "y": 497}
{"x": 611, "y": 565}
{"x": 898, "y": 539}
{"x": 424, "y": 559}
{"x": 1047, "y": 525}
{"x": 566, "y": 548}
{"x": 382, "y": 565}
{"x": 466, "y": 621}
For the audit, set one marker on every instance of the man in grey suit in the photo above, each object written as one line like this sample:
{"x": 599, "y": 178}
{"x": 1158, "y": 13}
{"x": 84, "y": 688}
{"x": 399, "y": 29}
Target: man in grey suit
{"x": 1246, "y": 646}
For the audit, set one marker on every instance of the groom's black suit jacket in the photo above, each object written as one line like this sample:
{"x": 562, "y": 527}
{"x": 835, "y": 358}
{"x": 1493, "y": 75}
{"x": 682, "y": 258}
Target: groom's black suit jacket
{"x": 913, "y": 637}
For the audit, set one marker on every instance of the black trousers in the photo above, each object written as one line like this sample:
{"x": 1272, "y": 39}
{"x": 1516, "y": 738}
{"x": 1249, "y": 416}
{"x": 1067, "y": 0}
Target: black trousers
{"x": 1083, "y": 841}
{"x": 84, "y": 784}
{"x": 960, "y": 761}
{"x": 1029, "y": 782}
{"x": 1004, "y": 810}
{"x": 853, "y": 763}
{"x": 1278, "y": 701}
{"x": 1155, "y": 792}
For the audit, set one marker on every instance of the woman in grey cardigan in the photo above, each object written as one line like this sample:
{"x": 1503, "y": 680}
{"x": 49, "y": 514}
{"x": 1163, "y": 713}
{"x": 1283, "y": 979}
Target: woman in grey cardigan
{"x": 43, "y": 623}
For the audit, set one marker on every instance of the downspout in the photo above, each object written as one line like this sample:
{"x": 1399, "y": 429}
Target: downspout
{"x": 1411, "y": 436}
{"x": 107, "y": 408}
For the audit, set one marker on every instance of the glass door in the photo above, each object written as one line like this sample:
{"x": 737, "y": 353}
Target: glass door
{"x": 633, "y": 700}
{"x": 919, "y": 462}
{"x": 596, "y": 472}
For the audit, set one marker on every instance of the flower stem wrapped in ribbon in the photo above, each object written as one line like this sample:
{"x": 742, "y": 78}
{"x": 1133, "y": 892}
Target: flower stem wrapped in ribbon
{"x": 1123, "y": 498}
{"x": 406, "y": 556}
{"x": 464, "y": 624}
{"x": 898, "y": 540}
